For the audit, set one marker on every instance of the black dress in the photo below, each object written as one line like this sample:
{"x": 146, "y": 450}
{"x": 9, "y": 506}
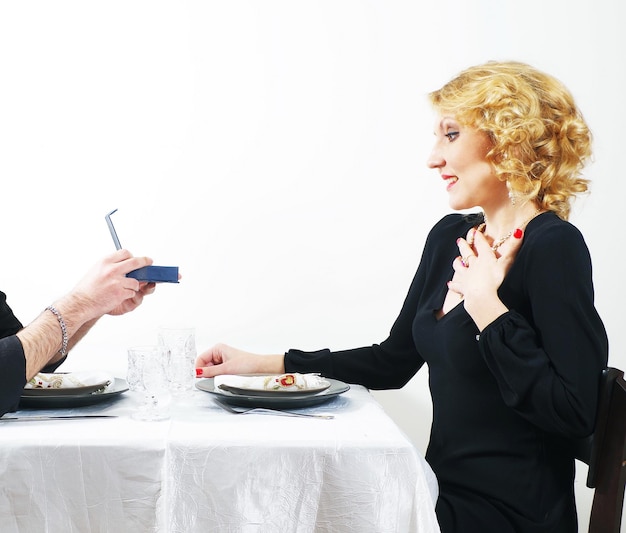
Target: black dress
{"x": 506, "y": 402}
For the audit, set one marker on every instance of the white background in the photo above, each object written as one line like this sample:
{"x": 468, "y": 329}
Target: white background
{"x": 275, "y": 151}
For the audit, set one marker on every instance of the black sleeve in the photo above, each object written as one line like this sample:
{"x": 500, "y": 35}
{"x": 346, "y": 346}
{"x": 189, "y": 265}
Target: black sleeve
{"x": 13, "y": 373}
{"x": 9, "y": 324}
{"x": 388, "y": 365}
{"x": 548, "y": 370}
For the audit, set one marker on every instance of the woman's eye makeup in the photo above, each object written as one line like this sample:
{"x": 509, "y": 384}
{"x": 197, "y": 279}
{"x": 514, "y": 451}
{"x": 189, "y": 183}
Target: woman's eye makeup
{"x": 451, "y": 135}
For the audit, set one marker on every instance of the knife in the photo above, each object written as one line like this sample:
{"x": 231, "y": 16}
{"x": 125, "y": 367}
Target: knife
{"x": 51, "y": 417}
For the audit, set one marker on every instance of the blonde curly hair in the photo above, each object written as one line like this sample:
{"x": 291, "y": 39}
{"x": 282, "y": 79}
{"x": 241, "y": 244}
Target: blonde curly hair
{"x": 540, "y": 140}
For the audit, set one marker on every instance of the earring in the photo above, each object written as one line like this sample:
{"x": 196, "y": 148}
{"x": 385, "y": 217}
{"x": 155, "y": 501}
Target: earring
{"x": 511, "y": 193}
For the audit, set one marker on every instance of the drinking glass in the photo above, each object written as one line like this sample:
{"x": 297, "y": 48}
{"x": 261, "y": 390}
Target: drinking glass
{"x": 135, "y": 368}
{"x": 180, "y": 345}
{"x": 151, "y": 364}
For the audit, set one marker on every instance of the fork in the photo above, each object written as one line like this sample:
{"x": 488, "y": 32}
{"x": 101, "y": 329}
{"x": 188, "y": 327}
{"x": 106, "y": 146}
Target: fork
{"x": 263, "y": 410}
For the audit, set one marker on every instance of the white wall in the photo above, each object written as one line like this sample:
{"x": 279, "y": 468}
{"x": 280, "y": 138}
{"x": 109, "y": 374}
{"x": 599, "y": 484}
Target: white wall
{"x": 273, "y": 150}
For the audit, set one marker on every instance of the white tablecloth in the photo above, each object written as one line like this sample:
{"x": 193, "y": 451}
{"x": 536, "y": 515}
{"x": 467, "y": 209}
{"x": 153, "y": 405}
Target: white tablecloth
{"x": 207, "y": 470}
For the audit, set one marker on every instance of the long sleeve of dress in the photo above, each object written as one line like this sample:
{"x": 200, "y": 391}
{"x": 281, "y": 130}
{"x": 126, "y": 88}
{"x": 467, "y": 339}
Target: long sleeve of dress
{"x": 388, "y": 365}
{"x": 548, "y": 351}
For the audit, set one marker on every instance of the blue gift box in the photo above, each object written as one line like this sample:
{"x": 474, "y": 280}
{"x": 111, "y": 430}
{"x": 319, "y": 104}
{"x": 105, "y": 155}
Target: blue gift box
{"x": 155, "y": 274}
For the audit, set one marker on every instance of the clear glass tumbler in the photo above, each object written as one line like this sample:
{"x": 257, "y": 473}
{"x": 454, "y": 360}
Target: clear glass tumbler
{"x": 180, "y": 344}
{"x": 152, "y": 382}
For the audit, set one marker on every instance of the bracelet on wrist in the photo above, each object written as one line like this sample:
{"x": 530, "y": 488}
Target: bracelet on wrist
{"x": 64, "y": 338}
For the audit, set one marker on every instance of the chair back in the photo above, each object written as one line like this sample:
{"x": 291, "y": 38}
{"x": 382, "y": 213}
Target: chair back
{"x": 605, "y": 453}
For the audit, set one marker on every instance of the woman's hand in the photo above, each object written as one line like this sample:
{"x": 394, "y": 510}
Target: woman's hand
{"x": 223, "y": 359}
{"x": 479, "y": 272}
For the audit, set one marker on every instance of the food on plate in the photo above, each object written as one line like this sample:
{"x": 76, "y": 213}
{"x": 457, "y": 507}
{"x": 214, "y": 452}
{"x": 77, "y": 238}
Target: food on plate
{"x": 67, "y": 381}
{"x": 281, "y": 382}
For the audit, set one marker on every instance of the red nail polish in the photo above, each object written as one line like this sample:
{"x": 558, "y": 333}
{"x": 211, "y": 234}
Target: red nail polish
{"x": 517, "y": 233}
{"x": 199, "y": 372}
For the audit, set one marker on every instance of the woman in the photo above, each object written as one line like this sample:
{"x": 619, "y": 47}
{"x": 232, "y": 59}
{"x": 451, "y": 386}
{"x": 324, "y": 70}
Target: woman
{"x": 45, "y": 342}
{"x": 501, "y": 308}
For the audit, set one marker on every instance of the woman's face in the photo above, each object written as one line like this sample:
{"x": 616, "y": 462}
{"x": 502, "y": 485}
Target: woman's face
{"x": 460, "y": 156}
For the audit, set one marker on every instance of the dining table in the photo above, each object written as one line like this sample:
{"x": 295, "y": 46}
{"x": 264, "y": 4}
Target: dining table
{"x": 94, "y": 468}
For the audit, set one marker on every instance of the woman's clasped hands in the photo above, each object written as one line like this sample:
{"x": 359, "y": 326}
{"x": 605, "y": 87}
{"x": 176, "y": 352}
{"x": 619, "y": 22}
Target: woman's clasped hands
{"x": 479, "y": 271}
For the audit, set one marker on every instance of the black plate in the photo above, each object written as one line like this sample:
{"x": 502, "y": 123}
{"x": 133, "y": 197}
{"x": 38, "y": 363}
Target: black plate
{"x": 65, "y": 391}
{"x": 74, "y": 400}
{"x": 276, "y": 402}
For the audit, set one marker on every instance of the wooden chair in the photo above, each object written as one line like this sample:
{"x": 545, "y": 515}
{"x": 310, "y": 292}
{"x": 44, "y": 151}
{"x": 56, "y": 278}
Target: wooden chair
{"x": 605, "y": 453}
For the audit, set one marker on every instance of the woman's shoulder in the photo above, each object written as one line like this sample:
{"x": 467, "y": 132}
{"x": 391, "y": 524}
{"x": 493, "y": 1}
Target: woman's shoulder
{"x": 456, "y": 223}
{"x": 549, "y": 228}
{"x": 549, "y": 236}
